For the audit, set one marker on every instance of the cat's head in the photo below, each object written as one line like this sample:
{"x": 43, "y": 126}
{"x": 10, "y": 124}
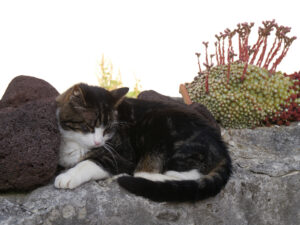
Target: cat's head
{"x": 87, "y": 114}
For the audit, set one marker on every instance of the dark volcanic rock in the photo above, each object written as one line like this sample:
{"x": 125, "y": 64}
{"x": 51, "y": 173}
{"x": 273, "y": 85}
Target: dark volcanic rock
{"x": 29, "y": 137}
{"x": 153, "y": 95}
{"x": 197, "y": 107}
{"x": 23, "y": 89}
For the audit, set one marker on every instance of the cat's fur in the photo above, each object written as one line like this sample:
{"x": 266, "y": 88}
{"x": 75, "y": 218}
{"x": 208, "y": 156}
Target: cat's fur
{"x": 168, "y": 152}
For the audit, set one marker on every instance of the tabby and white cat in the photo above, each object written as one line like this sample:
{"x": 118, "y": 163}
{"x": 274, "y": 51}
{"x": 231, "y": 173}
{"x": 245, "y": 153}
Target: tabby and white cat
{"x": 168, "y": 152}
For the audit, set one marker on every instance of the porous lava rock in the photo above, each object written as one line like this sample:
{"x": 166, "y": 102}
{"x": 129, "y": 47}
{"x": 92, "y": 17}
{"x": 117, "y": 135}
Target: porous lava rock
{"x": 29, "y": 136}
{"x": 24, "y": 89}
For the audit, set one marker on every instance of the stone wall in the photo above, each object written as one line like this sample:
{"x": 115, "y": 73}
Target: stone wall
{"x": 264, "y": 189}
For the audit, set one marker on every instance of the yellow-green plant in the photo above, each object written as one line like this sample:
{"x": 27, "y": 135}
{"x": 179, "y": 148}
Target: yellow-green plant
{"x": 136, "y": 89}
{"x": 108, "y": 81}
{"x": 248, "y": 92}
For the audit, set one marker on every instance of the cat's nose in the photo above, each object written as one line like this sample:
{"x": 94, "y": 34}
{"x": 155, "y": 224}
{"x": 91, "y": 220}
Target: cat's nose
{"x": 97, "y": 143}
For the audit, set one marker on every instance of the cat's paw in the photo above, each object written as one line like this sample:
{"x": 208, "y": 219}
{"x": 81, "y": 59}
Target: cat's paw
{"x": 67, "y": 181}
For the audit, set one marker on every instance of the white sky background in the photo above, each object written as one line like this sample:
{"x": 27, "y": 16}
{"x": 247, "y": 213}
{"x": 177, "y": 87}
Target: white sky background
{"x": 62, "y": 41}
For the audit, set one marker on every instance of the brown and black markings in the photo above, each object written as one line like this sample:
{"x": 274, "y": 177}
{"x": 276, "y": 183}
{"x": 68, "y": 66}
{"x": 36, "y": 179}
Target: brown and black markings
{"x": 170, "y": 143}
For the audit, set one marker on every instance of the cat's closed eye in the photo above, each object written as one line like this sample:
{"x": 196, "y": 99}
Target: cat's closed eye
{"x": 77, "y": 126}
{"x": 85, "y": 128}
{"x": 106, "y": 131}
{"x": 69, "y": 125}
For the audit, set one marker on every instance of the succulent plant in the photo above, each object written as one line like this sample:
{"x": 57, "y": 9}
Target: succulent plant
{"x": 290, "y": 110}
{"x": 246, "y": 93}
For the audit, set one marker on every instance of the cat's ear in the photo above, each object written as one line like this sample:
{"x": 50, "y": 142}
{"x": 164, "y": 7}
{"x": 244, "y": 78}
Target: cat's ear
{"x": 71, "y": 93}
{"x": 119, "y": 95}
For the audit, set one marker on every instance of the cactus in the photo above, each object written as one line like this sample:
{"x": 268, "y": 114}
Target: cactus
{"x": 247, "y": 92}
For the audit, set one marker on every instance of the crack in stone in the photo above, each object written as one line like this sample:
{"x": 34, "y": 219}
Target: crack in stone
{"x": 246, "y": 157}
{"x": 289, "y": 173}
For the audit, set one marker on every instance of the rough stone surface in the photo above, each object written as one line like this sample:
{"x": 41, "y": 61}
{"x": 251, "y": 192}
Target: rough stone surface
{"x": 264, "y": 189}
{"x": 29, "y": 137}
{"x": 24, "y": 89}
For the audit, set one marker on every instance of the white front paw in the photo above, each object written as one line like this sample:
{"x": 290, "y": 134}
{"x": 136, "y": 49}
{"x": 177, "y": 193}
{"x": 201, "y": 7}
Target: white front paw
{"x": 67, "y": 180}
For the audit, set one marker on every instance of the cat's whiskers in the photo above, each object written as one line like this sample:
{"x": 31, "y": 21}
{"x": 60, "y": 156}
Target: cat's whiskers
{"x": 109, "y": 149}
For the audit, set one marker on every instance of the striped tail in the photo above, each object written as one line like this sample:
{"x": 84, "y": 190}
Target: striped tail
{"x": 180, "y": 190}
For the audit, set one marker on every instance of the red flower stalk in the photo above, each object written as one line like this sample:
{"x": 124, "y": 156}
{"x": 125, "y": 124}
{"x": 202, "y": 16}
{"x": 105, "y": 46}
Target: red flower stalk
{"x": 287, "y": 43}
{"x": 217, "y": 56}
{"x": 246, "y": 49}
{"x": 206, "y": 55}
{"x": 219, "y": 50}
{"x": 261, "y": 57}
{"x": 211, "y": 60}
{"x": 275, "y": 51}
{"x": 269, "y": 59}
{"x": 281, "y": 32}
{"x": 223, "y": 49}
{"x": 246, "y": 58}
{"x": 265, "y": 32}
{"x": 244, "y": 31}
{"x": 256, "y": 48}
{"x": 208, "y": 67}
{"x": 230, "y": 53}
{"x": 240, "y": 42}
{"x": 198, "y": 57}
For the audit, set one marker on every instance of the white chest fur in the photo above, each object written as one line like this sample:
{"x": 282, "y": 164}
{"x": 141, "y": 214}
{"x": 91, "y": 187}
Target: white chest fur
{"x": 71, "y": 152}
{"x": 74, "y": 145}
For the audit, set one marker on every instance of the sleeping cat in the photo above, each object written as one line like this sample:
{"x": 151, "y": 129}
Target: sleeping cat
{"x": 168, "y": 151}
